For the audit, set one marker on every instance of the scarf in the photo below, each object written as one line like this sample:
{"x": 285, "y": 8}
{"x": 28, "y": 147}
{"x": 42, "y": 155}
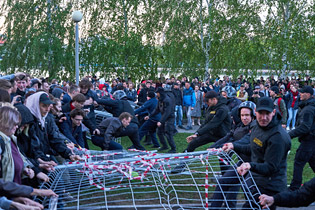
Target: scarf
{"x": 32, "y": 103}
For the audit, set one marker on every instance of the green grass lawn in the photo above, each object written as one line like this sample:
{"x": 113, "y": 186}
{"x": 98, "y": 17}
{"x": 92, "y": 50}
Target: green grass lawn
{"x": 180, "y": 140}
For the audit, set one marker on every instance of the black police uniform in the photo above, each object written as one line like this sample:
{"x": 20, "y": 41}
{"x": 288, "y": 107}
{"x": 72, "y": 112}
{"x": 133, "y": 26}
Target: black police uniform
{"x": 305, "y": 130}
{"x": 217, "y": 124}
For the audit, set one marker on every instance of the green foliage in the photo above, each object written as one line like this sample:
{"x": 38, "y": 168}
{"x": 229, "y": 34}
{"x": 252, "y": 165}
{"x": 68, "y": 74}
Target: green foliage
{"x": 140, "y": 38}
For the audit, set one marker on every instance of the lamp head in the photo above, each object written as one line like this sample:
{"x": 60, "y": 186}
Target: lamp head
{"x": 77, "y": 16}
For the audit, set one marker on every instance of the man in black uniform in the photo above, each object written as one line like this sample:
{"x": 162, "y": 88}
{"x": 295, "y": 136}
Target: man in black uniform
{"x": 166, "y": 126}
{"x": 216, "y": 125}
{"x": 306, "y": 133}
{"x": 301, "y": 197}
{"x": 269, "y": 146}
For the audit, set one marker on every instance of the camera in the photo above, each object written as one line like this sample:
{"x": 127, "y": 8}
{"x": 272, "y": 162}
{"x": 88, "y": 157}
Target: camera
{"x": 256, "y": 92}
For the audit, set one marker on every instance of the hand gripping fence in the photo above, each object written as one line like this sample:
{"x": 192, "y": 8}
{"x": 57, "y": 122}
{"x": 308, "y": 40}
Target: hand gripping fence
{"x": 150, "y": 180}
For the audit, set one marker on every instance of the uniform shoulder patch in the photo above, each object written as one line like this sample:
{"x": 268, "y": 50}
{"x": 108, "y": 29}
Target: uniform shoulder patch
{"x": 258, "y": 142}
{"x": 212, "y": 112}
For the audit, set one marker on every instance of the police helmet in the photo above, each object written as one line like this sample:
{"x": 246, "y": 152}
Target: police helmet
{"x": 247, "y": 104}
{"x": 230, "y": 91}
{"x": 119, "y": 94}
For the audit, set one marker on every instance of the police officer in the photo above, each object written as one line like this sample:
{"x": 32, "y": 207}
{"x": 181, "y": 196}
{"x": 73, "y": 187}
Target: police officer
{"x": 216, "y": 125}
{"x": 305, "y": 130}
{"x": 166, "y": 126}
{"x": 269, "y": 145}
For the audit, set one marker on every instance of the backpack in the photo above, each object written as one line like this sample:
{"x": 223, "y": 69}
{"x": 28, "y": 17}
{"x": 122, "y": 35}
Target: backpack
{"x": 279, "y": 101}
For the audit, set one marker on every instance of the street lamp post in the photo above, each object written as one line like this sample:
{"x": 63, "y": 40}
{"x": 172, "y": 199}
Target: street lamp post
{"x": 77, "y": 17}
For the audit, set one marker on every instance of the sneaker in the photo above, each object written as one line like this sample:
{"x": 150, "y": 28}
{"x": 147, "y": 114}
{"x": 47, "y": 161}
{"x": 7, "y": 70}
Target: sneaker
{"x": 148, "y": 143}
{"x": 155, "y": 147}
{"x": 162, "y": 149}
{"x": 293, "y": 128}
{"x": 188, "y": 128}
{"x": 171, "y": 151}
{"x": 288, "y": 128}
{"x": 181, "y": 127}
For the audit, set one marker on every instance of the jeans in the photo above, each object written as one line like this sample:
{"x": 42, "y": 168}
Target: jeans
{"x": 178, "y": 115}
{"x": 99, "y": 141}
{"x": 188, "y": 115}
{"x": 292, "y": 116}
{"x": 149, "y": 126}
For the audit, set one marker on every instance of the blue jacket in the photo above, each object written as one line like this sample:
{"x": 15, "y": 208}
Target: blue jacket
{"x": 73, "y": 134}
{"x": 189, "y": 98}
{"x": 147, "y": 108}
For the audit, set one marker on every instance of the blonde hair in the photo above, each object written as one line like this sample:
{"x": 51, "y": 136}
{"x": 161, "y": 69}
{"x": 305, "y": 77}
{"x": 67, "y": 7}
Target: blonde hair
{"x": 9, "y": 117}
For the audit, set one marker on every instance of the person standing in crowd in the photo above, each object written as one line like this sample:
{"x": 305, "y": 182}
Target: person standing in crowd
{"x": 178, "y": 95}
{"x": 142, "y": 97}
{"x": 52, "y": 143}
{"x": 150, "y": 125}
{"x": 216, "y": 125}
{"x": 189, "y": 102}
{"x": 268, "y": 148}
{"x": 292, "y": 97}
{"x": 279, "y": 104}
{"x": 21, "y": 81}
{"x": 301, "y": 197}
{"x": 196, "y": 112}
{"x": 73, "y": 91}
{"x": 242, "y": 94}
{"x": 305, "y": 130}
{"x": 91, "y": 98}
{"x": 13, "y": 163}
{"x": 165, "y": 125}
{"x": 131, "y": 92}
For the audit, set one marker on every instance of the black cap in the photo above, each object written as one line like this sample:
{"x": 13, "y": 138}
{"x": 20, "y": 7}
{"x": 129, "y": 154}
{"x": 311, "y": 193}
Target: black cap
{"x": 44, "y": 98}
{"x": 211, "y": 94}
{"x": 160, "y": 90}
{"x": 307, "y": 89}
{"x": 265, "y": 103}
{"x": 275, "y": 89}
{"x": 151, "y": 94}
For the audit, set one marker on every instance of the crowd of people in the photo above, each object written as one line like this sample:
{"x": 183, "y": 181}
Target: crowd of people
{"x": 43, "y": 121}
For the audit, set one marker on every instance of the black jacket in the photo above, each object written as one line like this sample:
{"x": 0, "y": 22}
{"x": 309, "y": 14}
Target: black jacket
{"x": 110, "y": 128}
{"x": 301, "y": 197}
{"x": 166, "y": 107}
{"x": 217, "y": 120}
{"x": 52, "y": 142}
{"x": 268, "y": 148}
{"x": 116, "y": 107}
{"x": 305, "y": 128}
{"x": 234, "y": 135}
{"x": 178, "y": 94}
{"x": 91, "y": 114}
